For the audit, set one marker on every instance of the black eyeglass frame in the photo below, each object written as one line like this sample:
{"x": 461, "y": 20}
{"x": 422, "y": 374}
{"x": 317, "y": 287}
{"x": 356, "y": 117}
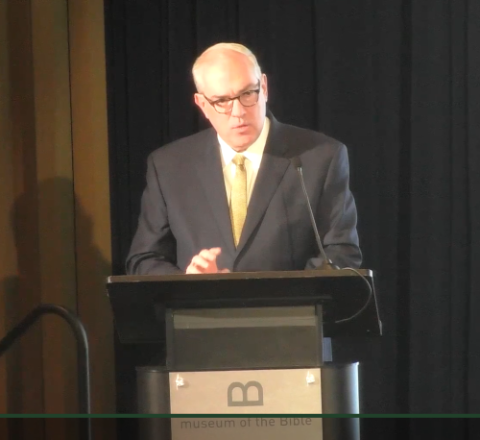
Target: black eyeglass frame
{"x": 229, "y": 101}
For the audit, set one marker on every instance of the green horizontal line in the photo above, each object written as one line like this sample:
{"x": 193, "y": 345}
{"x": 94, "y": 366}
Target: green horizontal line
{"x": 181, "y": 416}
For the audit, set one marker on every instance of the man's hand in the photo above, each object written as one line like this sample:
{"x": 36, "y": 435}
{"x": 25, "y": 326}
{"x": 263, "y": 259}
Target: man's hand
{"x": 205, "y": 262}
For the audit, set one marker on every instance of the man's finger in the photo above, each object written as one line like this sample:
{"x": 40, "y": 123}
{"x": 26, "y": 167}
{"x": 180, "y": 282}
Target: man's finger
{"x": 208, "y": 255}
{"x": 192, "y": 270}
{"x": 200, "y": 261}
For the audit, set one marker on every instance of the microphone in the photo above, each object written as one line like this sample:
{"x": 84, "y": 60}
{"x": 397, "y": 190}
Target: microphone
{"x": 327, "y": 263}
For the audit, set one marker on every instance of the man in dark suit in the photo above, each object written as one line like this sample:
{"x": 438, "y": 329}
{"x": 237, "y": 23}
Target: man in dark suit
{"x": 229, "y": 199}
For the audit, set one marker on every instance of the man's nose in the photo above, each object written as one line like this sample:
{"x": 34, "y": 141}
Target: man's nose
{"x": 238, "y": 110}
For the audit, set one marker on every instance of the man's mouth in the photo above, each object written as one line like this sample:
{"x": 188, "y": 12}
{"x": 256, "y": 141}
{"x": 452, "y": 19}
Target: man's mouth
{"x": 240, "y": 126}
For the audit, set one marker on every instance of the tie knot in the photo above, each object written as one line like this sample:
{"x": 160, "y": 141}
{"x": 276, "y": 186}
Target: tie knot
{"x": 239, "y": 160}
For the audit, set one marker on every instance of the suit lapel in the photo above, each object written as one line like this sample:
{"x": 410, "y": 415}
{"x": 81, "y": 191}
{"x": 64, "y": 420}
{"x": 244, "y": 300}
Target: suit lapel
{"x": 270, "y": 174}
{"x": 210, "y": 173}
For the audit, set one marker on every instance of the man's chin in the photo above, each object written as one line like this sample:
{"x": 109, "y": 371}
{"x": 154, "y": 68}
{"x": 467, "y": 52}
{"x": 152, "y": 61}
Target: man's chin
{"x": 241, "y": 142}
{"x": 239, "y": 148}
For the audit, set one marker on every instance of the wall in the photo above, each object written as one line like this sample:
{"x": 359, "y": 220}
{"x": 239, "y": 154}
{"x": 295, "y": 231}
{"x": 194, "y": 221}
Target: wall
{"x": 54, "y": 200}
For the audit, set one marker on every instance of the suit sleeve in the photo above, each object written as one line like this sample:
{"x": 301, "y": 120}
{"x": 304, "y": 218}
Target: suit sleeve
{"x": 337, "y": 216}
{"x": 153, "y": 249}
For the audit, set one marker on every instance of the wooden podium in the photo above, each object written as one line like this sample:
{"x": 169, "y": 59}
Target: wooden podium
{"x": 246, "y": 343}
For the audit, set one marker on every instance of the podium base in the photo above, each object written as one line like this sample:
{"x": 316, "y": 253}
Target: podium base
{"x": 332, "y": 389}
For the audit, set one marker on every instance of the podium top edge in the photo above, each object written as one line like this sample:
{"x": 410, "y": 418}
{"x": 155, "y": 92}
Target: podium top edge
{"x": 242, "y": 276}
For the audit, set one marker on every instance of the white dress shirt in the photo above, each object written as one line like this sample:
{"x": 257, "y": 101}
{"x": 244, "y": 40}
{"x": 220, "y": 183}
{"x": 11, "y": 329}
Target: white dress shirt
{"x": 253, "y": 155}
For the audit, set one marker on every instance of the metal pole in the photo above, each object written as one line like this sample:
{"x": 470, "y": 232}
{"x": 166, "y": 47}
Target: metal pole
{"x": 83, "y": 362}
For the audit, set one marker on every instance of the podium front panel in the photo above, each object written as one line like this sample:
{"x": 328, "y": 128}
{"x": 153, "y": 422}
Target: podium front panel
{"x": 252, "y": 337}
{"x": 275, "y": 391}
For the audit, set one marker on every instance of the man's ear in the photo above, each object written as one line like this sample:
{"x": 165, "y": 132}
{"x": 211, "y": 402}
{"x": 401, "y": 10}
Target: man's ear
{"x": 265, "y": 86}
{"x": 201, "y": 103}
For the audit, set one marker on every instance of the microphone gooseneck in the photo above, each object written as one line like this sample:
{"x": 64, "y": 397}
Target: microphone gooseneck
{"x": 327, "y": 263}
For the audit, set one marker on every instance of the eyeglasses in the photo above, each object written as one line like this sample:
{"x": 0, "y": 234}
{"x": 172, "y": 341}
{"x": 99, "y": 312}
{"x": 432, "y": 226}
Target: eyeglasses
{"x": 224, "y": 105}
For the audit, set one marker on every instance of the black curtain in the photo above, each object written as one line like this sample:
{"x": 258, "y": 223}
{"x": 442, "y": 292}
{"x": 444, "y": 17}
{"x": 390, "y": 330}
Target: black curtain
{"x": 398, "y": 82}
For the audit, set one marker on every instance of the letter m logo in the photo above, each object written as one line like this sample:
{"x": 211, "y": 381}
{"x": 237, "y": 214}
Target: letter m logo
{"x": 258, "y": 401}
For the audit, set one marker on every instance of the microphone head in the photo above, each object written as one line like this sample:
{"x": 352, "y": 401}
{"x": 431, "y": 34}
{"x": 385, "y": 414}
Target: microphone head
{"x": 296, "y": 162}
{"x": 328, "y": 265}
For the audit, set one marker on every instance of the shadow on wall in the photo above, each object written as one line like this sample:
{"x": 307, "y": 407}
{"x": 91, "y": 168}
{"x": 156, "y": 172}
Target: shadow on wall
{"x": 49, "y": 238}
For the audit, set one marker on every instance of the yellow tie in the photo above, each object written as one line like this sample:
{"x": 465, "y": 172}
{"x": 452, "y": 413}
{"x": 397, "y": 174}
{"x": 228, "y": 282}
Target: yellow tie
{"x": 238, "y": 199}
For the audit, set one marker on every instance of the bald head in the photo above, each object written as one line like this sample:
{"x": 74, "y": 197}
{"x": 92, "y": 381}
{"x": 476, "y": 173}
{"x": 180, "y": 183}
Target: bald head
{"x": 220, "y": 58}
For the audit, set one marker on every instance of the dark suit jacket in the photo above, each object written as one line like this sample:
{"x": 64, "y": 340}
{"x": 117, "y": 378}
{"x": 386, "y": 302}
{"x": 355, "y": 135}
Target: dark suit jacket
{"x": 184, "y": 206}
